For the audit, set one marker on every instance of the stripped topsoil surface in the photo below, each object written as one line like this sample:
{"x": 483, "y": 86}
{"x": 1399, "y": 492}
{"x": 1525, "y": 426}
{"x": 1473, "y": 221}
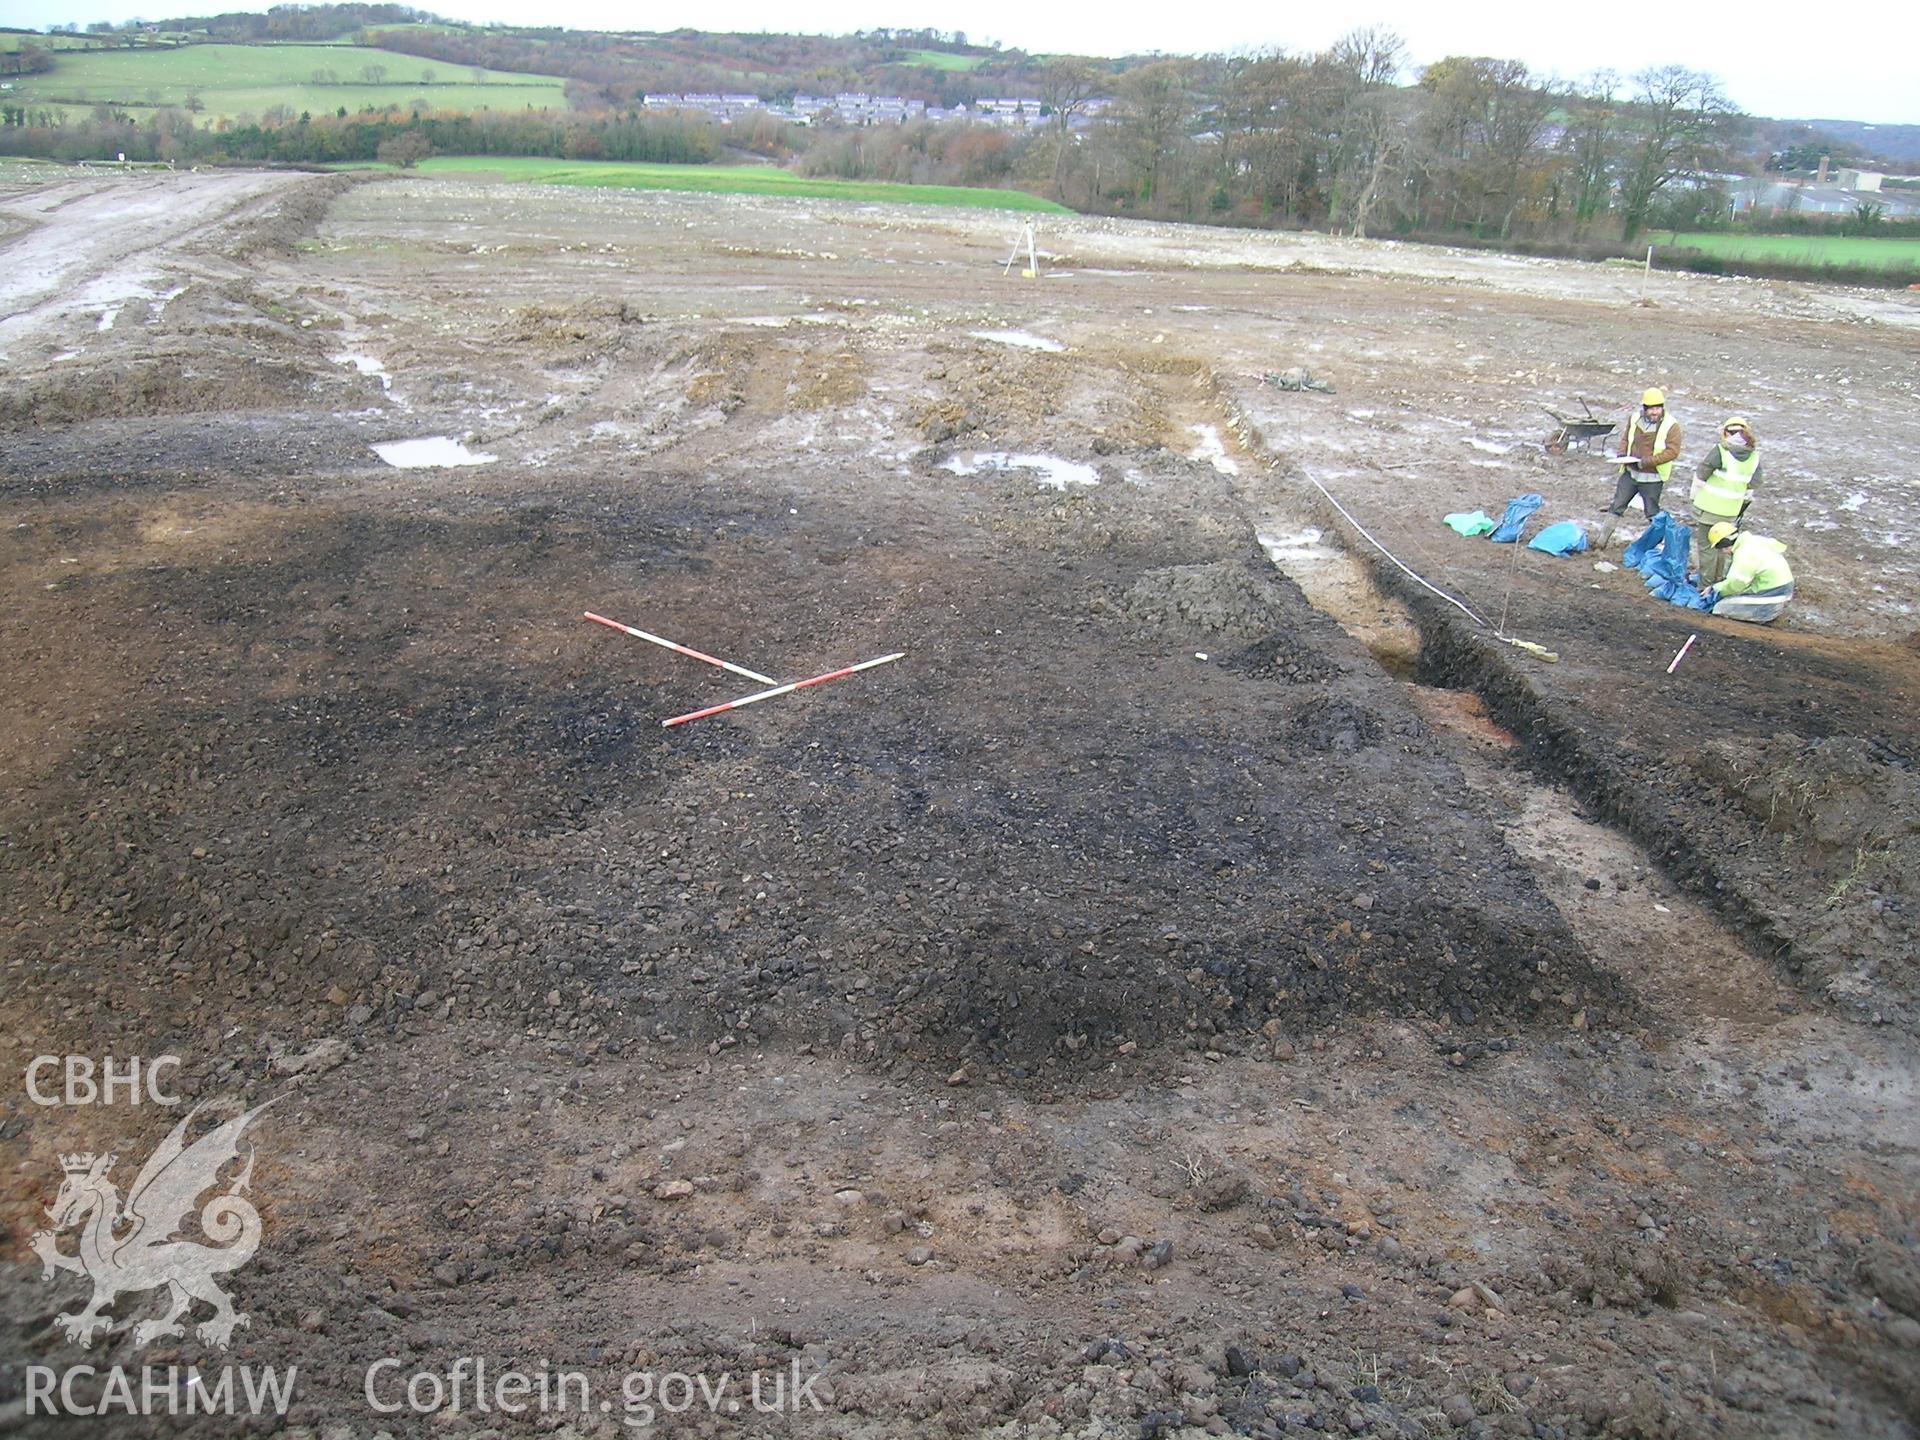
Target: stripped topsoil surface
{"x": 1184, "y": 991}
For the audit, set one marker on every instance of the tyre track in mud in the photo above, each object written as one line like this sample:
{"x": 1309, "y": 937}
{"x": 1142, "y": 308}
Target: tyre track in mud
{"x": 102, "y": 245}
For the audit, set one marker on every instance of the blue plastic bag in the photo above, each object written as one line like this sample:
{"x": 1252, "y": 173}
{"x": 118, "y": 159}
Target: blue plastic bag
{"x": 1660, "y": 555}
{"x": 1515, "y": 519}
{"x": 1566, "y": 538}
{"x": 1638, "y": 555}
{"x": 1676, "y": 586}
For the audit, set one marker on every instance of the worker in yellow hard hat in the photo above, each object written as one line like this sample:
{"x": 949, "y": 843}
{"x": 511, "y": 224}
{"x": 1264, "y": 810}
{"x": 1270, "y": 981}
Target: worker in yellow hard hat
{"x": 1758, "y": 582}
{"x": 1645, "y": 455}
{"x": 1723, "y": 488}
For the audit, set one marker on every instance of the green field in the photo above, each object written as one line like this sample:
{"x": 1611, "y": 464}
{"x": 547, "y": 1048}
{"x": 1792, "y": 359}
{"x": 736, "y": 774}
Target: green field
{"x": 1889, "y": 254}
{"x": 941, "y": 60}
{"x": 238, "y": 80}
{"x": 729, "y": 180}
{"x": 11, "y": 43}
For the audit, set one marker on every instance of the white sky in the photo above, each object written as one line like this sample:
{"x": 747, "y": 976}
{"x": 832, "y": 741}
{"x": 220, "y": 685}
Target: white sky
{"x": 1794, "y": 61}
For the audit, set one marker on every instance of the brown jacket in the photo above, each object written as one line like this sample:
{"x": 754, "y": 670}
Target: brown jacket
{"x": 1639, "y": 444}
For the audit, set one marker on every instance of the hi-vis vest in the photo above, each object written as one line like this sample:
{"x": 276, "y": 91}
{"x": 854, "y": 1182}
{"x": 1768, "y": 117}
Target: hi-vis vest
{"x": 1724, "y": 492}
{"x": 1665, "y": 429}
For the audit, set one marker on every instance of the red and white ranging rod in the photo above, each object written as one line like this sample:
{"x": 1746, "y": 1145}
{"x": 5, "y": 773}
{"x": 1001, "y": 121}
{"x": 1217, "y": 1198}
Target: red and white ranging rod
{"x": 786, "y": 689}
{"x": 680, "y": 649}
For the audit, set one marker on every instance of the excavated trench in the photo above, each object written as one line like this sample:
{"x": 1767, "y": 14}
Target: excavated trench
{"x": 1562, "y": 803}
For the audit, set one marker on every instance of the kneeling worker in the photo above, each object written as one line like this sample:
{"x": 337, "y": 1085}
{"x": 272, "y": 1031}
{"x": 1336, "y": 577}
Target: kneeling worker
{"x": 1758, "y": 582}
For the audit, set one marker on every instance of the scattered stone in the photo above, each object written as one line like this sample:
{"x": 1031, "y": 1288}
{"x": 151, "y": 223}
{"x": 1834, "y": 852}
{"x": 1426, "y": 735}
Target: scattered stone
{"x": 673, "y": 1190}
{"x": 1221, "y": 1192}
{"x": 327, "y": 1055}
{"x": 1161, "y": 1254}
{"x": 1458, "y": 1409}
{"x": 919, "y": 1255}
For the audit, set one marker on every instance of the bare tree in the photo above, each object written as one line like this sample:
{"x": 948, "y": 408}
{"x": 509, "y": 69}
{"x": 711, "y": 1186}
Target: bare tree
{"x": 1361, "y": 118}
{"x": 1675, "y": 125}
{"x": 1066, "y": 84}
{"x": 1156, "y": 106}
{"x": 1482, "y": 127}
{"x": 1587, "y": 143}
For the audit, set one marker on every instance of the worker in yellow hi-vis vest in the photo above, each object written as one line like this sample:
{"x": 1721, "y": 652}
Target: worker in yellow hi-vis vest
{"x": 1723, "y": 489}
{"x": 1758, "y": 582}
{"x": 1645, "y": 456}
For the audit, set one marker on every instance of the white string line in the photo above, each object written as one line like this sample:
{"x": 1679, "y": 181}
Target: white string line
{"x": 1419, "y": 579}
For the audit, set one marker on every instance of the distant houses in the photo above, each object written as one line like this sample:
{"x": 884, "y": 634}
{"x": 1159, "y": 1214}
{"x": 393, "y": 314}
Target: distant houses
{"x": 1838, "y": 193}
{"x": 856, "y": 107}
{"x": 1767, "y": 197}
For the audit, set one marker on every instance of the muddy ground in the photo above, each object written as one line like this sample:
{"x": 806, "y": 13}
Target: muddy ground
{"x": 1208, "y": 985}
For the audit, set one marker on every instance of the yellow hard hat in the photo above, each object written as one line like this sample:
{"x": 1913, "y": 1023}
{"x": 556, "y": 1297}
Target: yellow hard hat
{"x": 1653, "y": 397}
{"x": 1736, "y": 423}
{"x": 1720, "y": 534}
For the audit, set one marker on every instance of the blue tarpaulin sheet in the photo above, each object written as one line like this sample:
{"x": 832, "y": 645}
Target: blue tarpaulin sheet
{"x": 1515, "y": 520}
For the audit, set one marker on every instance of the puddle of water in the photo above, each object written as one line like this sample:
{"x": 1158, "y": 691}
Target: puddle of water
{"x": 108, "y": 316}
{"x": 1024, "y": 339}
{"x": 1055, "y": 473}
{"x": 432, "y": 452}
{"x": 1212, "y": 450}
{"x": 1287, "y": 548}
{"x": 366, "y": 365}
{"x": 158, "y": 306}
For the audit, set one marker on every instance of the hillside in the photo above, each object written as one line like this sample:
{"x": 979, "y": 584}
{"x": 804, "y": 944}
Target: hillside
{"x": 614, "y": 68}
{"x": 231, "y": 81}
{"x": 1887, "y": 142}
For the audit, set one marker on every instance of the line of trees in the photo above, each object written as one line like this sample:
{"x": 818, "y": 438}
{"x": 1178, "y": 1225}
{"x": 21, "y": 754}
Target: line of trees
{"x": 279, "y": 22}
{"x": 286, "y": 139}
{"x": 1477, "y": 146}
